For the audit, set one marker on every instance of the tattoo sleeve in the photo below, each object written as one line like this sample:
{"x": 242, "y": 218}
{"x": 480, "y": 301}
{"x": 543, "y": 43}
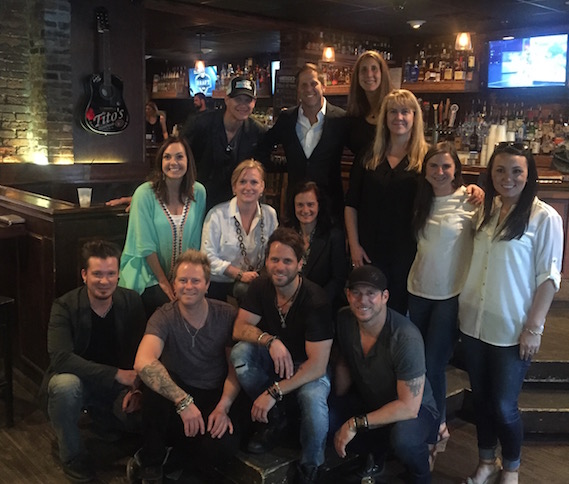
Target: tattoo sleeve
{"x": 156, "y": 377}
{"x": 416, "y": 385}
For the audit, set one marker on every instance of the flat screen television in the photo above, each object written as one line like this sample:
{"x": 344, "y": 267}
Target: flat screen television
{"x": 538, "y": 61}
{"x": 202, "y": 81}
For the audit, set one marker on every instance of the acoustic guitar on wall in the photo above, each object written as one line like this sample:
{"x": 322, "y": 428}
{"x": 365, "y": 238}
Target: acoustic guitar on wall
{"x": 106, "y": 111}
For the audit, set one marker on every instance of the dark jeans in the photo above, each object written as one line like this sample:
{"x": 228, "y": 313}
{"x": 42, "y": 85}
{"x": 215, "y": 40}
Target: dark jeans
{"x": 396, "y": 265}
{"x": 437, "y": 321}
{"x": 163, "y": 427}
{"x": 496, "y": 377}
{"x": 408, "y": 439}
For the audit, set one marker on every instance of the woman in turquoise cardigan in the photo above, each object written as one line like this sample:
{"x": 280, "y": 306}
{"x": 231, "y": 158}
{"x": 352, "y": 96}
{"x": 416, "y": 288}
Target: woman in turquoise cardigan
{"x": 166, "y": 218}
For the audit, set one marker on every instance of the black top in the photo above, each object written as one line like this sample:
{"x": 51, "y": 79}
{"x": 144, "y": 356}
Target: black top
{"x": 384, "y": 199}
{"x": 398, "y": 354}
{"x": 308, "y": 319}
{"x": 155, "y": 130}
{"x": 327, "y": 264}
{"x": 361, "y": 135}
{"x": 215, "y": 157}
{"x": 324, "y": 164}
{"x": 103, "y": 345}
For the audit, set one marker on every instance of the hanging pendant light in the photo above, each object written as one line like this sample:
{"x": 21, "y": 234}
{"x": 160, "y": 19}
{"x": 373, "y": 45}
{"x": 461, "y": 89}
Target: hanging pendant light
{"x": 199, "y": 66}
{"x": 329, "y": 54}
{"x": 463, "y": 41}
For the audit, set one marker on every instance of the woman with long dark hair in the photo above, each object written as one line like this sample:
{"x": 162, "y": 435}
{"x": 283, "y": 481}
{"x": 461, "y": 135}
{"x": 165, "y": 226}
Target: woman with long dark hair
{"x": 324, "y": 260}
{"x": 513, "y": 276}
{"x": 443, "y": 227}
{"x": 166, "y": 217}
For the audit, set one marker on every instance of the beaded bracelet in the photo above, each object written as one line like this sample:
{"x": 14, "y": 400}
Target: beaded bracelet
{"x": 184, "y": 403}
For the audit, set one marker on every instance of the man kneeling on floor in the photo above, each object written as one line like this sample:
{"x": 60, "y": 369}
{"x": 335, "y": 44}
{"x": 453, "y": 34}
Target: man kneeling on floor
{"x": 286, "y": 330}
{"x": 190, "y": 387}
{"x": 92, "y": 337}
{"x": 382, "y": 355}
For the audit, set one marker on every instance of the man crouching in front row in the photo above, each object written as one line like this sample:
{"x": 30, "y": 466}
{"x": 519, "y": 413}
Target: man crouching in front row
{"x": 190, "y": 387}
{"x": 285, "y": 327}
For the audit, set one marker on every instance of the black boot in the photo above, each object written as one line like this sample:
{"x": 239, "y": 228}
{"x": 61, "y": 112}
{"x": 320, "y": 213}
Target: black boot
{"x": 306, "y": 474}
{"x": 267, "y": 435}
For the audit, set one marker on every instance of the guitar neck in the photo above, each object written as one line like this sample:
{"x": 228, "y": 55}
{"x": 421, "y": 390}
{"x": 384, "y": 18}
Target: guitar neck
{"x": 106, "y": 57}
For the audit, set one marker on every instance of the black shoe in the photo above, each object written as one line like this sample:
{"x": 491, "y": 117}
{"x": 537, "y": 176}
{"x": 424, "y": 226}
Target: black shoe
{"x": 306, "y": 474}
{"x": 267, "y": 435}
{"x": 370, "y": 471}
{"x": 137, "y": 473}
{"x": 79, "y": 469}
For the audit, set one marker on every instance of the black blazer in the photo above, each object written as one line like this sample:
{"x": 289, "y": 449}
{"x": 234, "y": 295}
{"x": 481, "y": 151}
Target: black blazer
{"x": 324, "y": 164}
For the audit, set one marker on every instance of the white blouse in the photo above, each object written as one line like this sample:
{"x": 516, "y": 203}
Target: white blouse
{"x": 220, "y": 242}
{"x": 504, "y": 275}
{"x": 444, "y": 248}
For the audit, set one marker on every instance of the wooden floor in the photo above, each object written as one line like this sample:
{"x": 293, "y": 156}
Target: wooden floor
{"x": 28, "y": 451}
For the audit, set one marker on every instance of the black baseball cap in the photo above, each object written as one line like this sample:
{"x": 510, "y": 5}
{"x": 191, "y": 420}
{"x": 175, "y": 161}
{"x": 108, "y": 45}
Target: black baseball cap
{"x": 368, "y": 275}
{"x": 242, "y": 85}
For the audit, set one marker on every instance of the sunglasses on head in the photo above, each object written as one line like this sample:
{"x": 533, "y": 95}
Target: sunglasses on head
{"x": 505, "y": 145}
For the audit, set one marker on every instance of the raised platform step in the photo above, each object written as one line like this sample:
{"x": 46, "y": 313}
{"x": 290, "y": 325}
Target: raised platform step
{"x": 545, "y": 412}
{"x": 552, "y": 374}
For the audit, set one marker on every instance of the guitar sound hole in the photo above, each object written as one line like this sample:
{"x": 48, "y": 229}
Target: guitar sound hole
{"x": 106, "y": 92}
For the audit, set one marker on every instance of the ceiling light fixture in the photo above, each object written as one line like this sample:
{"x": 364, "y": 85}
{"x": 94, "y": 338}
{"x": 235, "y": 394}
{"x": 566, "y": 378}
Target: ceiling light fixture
{"x": 416, "y": 23}
{"x": 463, "y": 41}
{"x": 199, "y": 66}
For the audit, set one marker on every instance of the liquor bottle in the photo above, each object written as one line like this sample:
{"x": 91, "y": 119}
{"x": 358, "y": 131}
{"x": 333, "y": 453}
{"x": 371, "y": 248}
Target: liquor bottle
{"x": 470, "y": 66}
{"x": 415, "y": 71}
{"x": 407, "y": 70}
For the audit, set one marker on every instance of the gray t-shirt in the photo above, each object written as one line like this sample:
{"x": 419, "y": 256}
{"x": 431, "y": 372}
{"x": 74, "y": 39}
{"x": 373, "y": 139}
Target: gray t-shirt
{"x": 199, "y": 361}
{"x": 398, "y": 354}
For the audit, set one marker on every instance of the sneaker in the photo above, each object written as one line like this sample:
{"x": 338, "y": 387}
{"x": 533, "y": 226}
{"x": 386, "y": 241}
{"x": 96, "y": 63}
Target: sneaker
{"x": 79, "y": 469}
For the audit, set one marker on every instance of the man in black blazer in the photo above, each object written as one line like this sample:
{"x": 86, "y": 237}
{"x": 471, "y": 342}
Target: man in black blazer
{"x": 313, "y": 136}
{"x": 221, "y": 139}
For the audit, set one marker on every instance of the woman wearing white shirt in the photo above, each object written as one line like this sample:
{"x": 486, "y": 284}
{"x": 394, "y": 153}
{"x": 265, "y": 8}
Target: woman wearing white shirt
{"x": 443, "y": 226}
{"x": 235, "y": 233}
{"x": 514, "y": 273}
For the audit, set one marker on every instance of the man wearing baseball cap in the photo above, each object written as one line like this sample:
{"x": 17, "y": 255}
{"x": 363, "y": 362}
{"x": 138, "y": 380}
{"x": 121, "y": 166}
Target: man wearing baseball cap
{"x": 221, "y": 139}
{"x": 383, "y": 360}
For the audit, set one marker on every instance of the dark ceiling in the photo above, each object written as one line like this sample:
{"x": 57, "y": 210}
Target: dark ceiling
{"x": 243, "y": 28}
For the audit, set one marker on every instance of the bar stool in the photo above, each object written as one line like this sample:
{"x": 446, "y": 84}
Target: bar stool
{"x": 6, "y": 388}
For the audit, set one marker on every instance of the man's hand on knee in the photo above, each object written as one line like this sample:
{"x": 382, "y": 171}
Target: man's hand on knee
{"x": 261, "y": 407}
{"x": 282, "y": 359}
{"x": 193, "y": 421}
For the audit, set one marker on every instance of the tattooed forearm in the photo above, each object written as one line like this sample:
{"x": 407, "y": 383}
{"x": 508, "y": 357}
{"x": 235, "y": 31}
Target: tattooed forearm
{"x": 416, "y": 385}
{"x": 156, "y": 377}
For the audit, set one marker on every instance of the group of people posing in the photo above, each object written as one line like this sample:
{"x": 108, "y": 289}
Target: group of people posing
{"x": 360, "y": 321}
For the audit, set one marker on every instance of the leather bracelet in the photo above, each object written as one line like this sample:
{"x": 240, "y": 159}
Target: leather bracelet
{"x": 270, "y": 342}
{"x": 275, "y": 392}
{"x": 539, "y": 332}
{"x": 239, "y": 275}
{"x": 184, "y": 403}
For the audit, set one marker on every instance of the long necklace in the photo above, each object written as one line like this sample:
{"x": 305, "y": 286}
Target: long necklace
{"x": 282, "y": 314}
{"x": 193, "y": 336}
{"x": 177, "y": 235}
{"x": 307, "y": 251}
{"x": 246, "y": 263}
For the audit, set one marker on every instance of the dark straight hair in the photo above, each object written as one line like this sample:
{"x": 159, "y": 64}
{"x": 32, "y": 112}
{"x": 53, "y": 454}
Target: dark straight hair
{"x": 425, "y": 193}
{"x": 323, "y": 220}
{"x": 517, "y": 221}
{"x": 157, "y": 177}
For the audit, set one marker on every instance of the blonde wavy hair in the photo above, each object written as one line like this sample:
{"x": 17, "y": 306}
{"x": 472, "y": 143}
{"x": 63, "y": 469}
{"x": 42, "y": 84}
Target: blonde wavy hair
{"x": 417, "y": 147}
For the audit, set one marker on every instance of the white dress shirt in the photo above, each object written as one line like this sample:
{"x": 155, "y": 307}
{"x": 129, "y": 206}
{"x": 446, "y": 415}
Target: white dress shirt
{"x": 220, "y": 243}
{"x": 504, "y": 275}
{"x": 444, "y": 248}
{"x": 309, "y": 134}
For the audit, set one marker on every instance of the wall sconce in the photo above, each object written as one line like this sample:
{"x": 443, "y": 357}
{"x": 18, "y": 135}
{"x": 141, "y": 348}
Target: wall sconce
{"x": 463, "y": 41}
{"x": 329, "y": 54}
{"x": 416, "y": 23}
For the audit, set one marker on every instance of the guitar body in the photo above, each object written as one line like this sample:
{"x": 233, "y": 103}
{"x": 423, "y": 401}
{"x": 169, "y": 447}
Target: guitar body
{"x": 106, "y": 111}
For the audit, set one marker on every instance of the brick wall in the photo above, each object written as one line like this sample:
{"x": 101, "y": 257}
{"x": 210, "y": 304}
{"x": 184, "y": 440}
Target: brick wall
{"x": 35, "y": 82}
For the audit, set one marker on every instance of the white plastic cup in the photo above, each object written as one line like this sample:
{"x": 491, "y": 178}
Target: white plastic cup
{"x": 84, "y": 195}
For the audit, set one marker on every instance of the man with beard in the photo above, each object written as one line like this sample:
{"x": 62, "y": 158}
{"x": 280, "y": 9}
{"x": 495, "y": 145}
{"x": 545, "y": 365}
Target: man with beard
{"x": 285, "y": 330}
{"x": 92, "y": 337}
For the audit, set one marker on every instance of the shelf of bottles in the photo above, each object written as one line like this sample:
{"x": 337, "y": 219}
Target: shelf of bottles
{"x": 258, "y": 72}
{"x": 338, "y": 74}
{"x": 437, "y": 68}
{"x": 171, "y": 84}
{"x": 541, "y": 128}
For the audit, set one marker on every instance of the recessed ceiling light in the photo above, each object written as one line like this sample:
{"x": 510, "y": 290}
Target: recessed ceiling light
{"x": 508, "y": 37}
{"x": 416, "y": 23}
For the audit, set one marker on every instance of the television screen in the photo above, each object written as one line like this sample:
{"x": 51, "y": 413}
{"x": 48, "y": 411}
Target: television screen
{"x": 528, "y": 62}
{"x": 203, "y": 80}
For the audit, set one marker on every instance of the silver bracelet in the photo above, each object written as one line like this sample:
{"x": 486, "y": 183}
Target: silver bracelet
{"x": 264, "y": 333}
{"x": 184, "y": 403}
{"x": 538, "y": 332}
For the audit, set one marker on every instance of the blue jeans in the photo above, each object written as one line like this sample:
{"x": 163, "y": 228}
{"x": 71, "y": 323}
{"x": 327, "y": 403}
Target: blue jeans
{"x": 496, "y": 377}
{"x": 408, "y": 439}
{"x": 67, "y": 397}
{"x": 255, "y": 371}
{"x": 437, "y": 321}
